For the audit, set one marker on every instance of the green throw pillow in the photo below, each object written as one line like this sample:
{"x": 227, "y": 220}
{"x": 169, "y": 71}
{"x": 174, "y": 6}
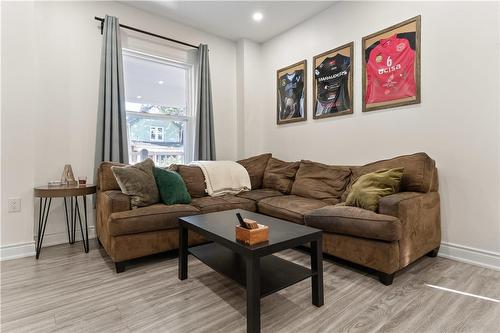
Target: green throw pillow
{"x": 171, "y": 187}
{"x": 368, "y": 189}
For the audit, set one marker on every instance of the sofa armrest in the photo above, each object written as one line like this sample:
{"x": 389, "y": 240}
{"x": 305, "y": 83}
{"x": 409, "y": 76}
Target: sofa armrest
{"x": 116, "y": 201}
{"x": 390, "y": 205}
{"x": 109, "y": 202}
{"x": 420, "y": 218}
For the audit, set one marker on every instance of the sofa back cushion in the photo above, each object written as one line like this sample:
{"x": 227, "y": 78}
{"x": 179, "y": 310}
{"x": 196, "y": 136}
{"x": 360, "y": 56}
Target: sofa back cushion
{"x": 420, "y": 173}
{"x": 256, "y": 166}
{"x": 321, "y": 181}
{"x": 279, "y": 175}
{"x": 106, "y": 180}
{"x": 193, "y": 178}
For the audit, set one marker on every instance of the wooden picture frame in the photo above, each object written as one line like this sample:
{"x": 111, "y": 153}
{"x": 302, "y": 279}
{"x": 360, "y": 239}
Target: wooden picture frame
{"x": 346, "y": 50}
{"x": 410, "y": 27}
{"x": 291, "y": 109}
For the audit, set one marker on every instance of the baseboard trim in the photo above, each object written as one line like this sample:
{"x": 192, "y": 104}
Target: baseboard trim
{"x": 15, "y": 251}
{"x": 470, "y": 255}
{"x": 21, "y": 250}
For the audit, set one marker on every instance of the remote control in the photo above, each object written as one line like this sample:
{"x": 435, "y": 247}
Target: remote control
{"x": 240, "y": 219}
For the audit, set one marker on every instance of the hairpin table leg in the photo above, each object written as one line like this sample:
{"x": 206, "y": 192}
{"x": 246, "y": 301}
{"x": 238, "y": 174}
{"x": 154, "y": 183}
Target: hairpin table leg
{"x": 42, "y": 223}
{"x": 77, "y": 209}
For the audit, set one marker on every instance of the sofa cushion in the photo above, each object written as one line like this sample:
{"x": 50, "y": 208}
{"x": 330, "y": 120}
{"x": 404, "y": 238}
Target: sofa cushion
{"x": 151, "y": 218}
{"x": 419, "y": 172}
{"x": 193, "y": 178}
{"x": 106, "y": 180}
{"x": 368, "y": 189}
{"x": 225, "y": 202}
{"x": 355, "y": 221}
{"x": 259, "y": 194}
{"x": 138, "y": 181}
{"x": 171, "y": 187}
{"x": 279, "y": 175}
{"x": 289, "y": 207}
{"x": 321, "y": 181}
{"x": 256, "y": 166}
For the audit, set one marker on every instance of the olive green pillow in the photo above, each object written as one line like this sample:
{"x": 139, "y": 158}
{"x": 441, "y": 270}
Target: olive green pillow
{"x": 368, "y": 189}
{"x": 171, "y": 186}
{"x": 138, "y": 182}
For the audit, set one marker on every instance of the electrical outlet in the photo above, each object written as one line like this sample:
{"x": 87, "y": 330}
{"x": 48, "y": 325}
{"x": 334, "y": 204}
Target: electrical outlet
{"x": 14, "y": 205}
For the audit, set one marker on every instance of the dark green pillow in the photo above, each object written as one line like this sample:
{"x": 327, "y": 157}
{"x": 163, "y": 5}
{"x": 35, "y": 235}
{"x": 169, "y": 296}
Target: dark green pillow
{"x": 171, "y": 187}
{"x": 368, "y": 189}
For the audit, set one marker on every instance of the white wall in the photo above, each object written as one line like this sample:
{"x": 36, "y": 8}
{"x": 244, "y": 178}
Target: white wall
{"x": 50, "y": 75}
{"x": 457, "y": 122}
{"x": 249, "y": 102}
{"x": 498, "y": 95}
{"x": 18, "y": 96}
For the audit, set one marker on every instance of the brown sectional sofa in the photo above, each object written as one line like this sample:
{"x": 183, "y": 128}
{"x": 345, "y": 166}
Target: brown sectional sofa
{"x": 406, "y": 226}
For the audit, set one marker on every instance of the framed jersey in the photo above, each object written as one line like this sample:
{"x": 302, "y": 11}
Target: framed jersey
{"x": 391, "y": 66}
{"x": 291, "y": 93}
{"x": 333, "y": 82}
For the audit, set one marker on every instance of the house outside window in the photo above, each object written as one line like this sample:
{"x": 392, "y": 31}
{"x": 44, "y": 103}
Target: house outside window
{"x": 158, "y": 102}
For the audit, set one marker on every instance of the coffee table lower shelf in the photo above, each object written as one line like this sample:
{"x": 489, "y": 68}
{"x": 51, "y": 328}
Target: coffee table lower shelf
{"x": 275, "y": 273}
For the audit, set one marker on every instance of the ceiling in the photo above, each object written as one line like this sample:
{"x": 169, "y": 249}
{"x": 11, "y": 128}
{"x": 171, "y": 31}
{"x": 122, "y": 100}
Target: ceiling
{"x": 233, "y": 19}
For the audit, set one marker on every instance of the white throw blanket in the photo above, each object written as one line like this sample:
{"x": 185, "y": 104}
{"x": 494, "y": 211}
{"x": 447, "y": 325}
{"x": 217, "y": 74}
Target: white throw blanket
{"x": 224, "y": 177}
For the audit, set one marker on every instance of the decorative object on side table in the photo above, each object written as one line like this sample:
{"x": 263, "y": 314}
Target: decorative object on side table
{"x": 292, "y": 93}
{"x": 82, "y": 180}
{"x": 68, "y": 178}
{"x": 391, "y": 66}
{"x": 46, "y": 193}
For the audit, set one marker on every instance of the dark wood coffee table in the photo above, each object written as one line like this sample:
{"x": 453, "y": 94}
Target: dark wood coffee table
{"x": 253, "y": 267}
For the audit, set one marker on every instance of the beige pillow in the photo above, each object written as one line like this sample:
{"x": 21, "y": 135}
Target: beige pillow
{"x": 138, "y": 181}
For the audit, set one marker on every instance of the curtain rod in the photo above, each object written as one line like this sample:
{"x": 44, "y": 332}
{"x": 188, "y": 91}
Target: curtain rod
{"x": 146, "y": 33}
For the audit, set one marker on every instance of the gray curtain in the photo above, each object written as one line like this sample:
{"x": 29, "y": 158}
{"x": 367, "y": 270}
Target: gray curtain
{"x": 111, "y": 138}
{"x": 204, "y": 141}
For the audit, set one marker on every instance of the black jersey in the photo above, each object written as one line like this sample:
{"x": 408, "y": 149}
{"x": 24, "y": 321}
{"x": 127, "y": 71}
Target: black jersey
{"x": 291, "y": 95}
{"x": 332, "y": 81}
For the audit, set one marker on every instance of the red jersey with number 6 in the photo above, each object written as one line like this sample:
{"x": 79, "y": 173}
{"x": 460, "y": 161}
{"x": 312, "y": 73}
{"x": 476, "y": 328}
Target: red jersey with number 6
{"x": 390, "y": 71}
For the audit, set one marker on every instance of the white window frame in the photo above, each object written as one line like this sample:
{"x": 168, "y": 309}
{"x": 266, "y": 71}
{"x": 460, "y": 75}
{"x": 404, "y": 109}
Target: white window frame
{"x": 154, "y": 133}
{"x": 188, "y": 118}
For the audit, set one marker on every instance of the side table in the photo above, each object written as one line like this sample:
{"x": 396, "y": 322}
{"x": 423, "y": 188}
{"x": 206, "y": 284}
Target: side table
{"x": 71, "y": 192}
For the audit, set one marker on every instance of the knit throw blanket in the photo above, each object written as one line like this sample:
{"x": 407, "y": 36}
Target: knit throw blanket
{"x": 224, "y": 177}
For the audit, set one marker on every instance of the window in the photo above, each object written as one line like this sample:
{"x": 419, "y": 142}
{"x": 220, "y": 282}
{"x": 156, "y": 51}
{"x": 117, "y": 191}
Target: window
{"x": 156, "y": 133}
{"x": 157, "y": 93}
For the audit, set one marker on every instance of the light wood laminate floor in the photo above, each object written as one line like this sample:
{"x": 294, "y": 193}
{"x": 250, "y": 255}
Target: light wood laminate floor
{"x": 70, "y": 291}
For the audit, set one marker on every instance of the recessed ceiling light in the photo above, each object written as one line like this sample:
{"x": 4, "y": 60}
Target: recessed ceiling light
{"x": 139, "y": 97}
{"x": 257, "y": 16}
{"x": 161, "y": 82}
